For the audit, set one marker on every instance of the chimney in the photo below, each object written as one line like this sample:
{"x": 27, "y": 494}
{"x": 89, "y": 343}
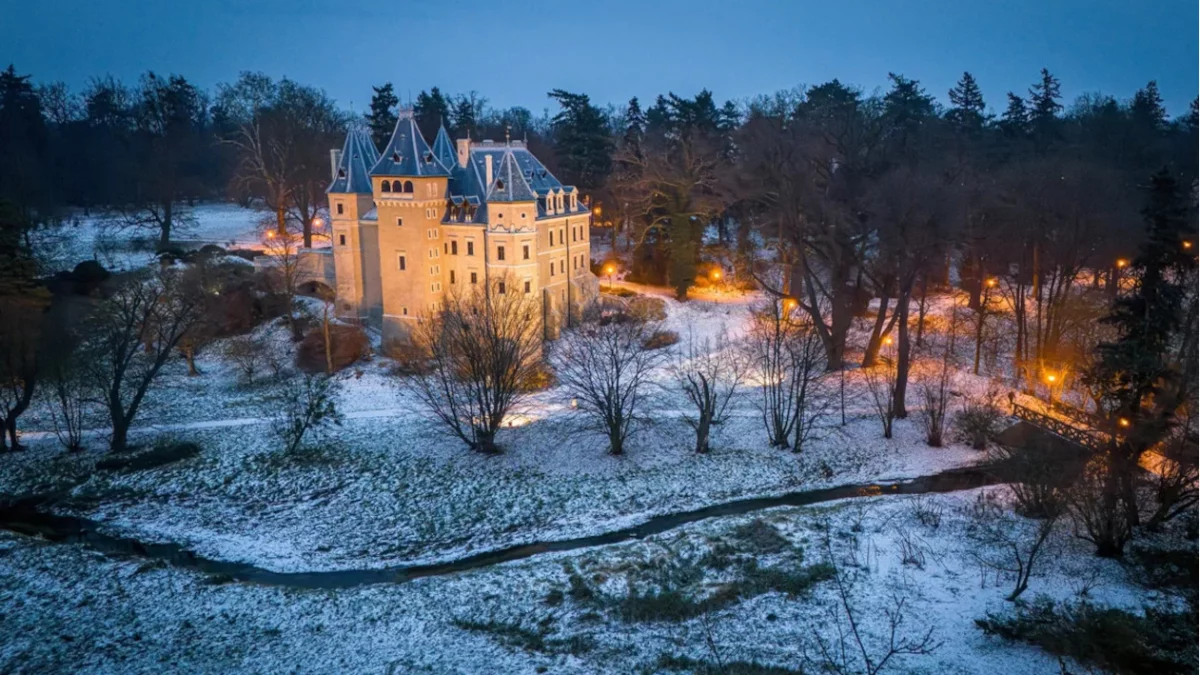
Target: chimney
{"x": 335, "y": 158}
{"x": 487, "y": 163}
{"x": 464, "y": 151}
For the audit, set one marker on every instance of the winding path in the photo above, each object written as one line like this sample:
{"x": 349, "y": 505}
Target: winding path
{"x": 26, "y": 518}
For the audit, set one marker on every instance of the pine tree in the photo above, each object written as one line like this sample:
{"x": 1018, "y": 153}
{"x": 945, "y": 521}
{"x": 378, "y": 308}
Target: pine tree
{"x": 581, "y": 140}
{"x": 23, "y": 139}
{"x": 382, "y": 118}
{"x": 465, "y": 112}
{"x": 1015, "y": 120}
{"x": 431, "y": 111}
{"x": 635, "y": 127}
{"x": 1147, "y": 108}
{"x": 1044, "y": 106}
{"x": 966, "y": 99}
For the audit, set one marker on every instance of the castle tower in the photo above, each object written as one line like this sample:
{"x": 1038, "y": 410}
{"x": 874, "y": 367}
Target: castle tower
{"x": 409, "y": 185}
{"x": 355, "y": 235}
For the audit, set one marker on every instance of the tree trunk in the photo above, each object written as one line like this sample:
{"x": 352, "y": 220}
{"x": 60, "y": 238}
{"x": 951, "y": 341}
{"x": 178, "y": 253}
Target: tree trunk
{"x": 871, "y": 354}
{"x": 921, "y": 309}
{"x": 702, "y": 433}
{"x": 189, "y": 354}
{"x": 980, "y": 316}
{"x": 902, "y": 359}
{"x": 120, "y": 433}
{"x": 280, "y": 219}
{"x": 328, "y": 346}
{"x": 164, "y": 238}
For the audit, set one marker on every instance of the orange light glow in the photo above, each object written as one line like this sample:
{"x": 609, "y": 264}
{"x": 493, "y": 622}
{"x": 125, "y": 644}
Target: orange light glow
{"x": 991, "y": 283}
{"x": 1187, "y": 244}
{"x": 716, "y": 274}
{"x": 1051, "y": 378}
{"x": 1121, "y": 262}
{"x": 887, "y": 340}
{"x": 610, "y": 269}
{"x": 270, "y": 234}
{"x": 1123, "y": 422}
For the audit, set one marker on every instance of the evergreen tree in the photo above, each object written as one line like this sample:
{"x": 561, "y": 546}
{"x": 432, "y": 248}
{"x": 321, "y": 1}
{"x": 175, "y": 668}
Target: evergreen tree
{"x": 382, "y": 118}
{"x": 1015, "y": 120}
{"x": 1147, "y": 108}
{"x": 431, "y": 111}
{"x": 581, "y": 140}
{"x": 1044, "y": 105}
{"x": 635, "y": 128}
{"x": 967, "y": 106}
{"x": 23, "y": 139}
{"x": 466, "y": 112}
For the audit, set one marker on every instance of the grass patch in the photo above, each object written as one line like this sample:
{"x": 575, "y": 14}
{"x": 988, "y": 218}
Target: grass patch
{"x": 1111, "y": 640}
{"x": 512, "y": 634}
{"x": 702, "y": 667}
{"x": 759, "y": 536}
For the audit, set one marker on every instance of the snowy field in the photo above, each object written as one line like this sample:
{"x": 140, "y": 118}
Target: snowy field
{"x": 73, "y": 610}
{"x": 390, "y": 488}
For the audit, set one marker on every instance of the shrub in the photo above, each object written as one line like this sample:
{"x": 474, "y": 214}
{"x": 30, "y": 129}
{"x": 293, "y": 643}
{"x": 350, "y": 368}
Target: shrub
{"x": 304, "y": 406}
{"x": 645, "y": 308}
{"x": 660, "y": 339}
{"x": 978, "y": 421}
{"x": 349, "y": 344}
{"x": 1111, "y": 640}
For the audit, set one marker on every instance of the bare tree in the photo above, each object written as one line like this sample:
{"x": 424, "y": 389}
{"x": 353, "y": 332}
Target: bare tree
{"x": 1004, "y": 542}
{"x": 69, "y": 404}
{"x": 788, "y": 357}
{"x": 605, "y": 367}
{"x": 129, "y": 338}
{"x": 709, "y": 372}
{"x": 477, "y": 359}
{"x": 21, "y": 331}
{"x": 283, "y": 250}
{"x": 302, "y": 406}
{"x": 1098, "y": 508}
{"x": 880, "y": 380}
{"x": 935, "y": 389}
{"x": 1175, "y": 470}
{"x": 853, "y": 650}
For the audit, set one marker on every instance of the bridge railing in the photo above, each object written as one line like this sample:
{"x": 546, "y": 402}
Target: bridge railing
{"x": 1086, "y": 437}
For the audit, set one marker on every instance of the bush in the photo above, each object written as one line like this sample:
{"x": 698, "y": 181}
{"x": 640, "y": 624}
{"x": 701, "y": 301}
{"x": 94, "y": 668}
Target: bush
{"x": 349, "y": 345}
{"x": 644, "y": 308}
{"x": 617, "y": 291}
{"x": 661, "y": 338}
{"x": 978, "y": 421}
{"x": 1111, "y": 640}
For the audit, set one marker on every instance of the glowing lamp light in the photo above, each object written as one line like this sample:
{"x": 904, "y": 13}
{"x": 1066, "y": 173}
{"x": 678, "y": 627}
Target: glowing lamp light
{"x": 317, "y": 222}
{"x": 1187, "y": 244}
{"x": 716, "y": 274}
{"x": 1123, "y": 422}
{"x": 610, "y": 269}
{"x": 788, "y": 303}
{"x": 1121, "y": 262}
{"x": 1051, "y": 378}
{"x": 991, "y": 283}
{"x": 270, "y": 234}
{"x": 887, "y": 340}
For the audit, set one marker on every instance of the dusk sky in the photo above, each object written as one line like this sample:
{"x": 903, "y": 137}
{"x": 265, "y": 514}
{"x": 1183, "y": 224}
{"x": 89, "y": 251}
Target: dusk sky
{"x": 513, "y": 53}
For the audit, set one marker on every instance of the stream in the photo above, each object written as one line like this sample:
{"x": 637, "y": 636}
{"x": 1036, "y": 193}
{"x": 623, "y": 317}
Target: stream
{"x": 26, "y": 518}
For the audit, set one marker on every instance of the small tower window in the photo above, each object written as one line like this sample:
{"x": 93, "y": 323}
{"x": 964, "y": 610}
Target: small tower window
{"x": 499, "y": 253}
{"x": 474, "y": 277}
{"x": 525, "y": 252}
{"x": 403, "y": 263}
{"x": 342, "y": 239}
{"x": 408, "y": 186}
{"x": 386, "y": 186}
{"x": 339, "y": 208}
{"x": 429, "y": 158}
{"x": 527, "y": 286}
{"x": 499, "y": 184}
{"x": 500, "y": 287}
{"x": 470, "y": 248}
{"x": 451, "y": 276}
{"x": 399, "y": 221}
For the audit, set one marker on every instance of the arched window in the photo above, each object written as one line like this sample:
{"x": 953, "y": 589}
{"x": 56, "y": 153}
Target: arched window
{"x": 387, "y": 186}
{"x": 408, "y": 186}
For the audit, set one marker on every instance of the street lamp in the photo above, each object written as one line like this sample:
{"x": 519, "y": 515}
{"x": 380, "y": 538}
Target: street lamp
{"x": 1051, "y": 379}
{"x": 610, "y": 269}
{"x": 1121, "y": 263}
{"x": 1187, "y": 245}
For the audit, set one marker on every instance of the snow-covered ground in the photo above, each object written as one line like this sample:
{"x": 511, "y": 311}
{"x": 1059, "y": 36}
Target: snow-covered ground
{"x": 72, "y": 610}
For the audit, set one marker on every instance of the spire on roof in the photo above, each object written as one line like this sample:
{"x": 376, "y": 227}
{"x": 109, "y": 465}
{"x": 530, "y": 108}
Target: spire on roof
{"x": 444, "y": 150}
{"x": 352, "y": 173}
{"x": 407, "y": 153}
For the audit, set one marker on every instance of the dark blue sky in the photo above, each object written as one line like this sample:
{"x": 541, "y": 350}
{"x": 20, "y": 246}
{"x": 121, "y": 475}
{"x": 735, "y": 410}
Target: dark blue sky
{"x": 514, "y": 52}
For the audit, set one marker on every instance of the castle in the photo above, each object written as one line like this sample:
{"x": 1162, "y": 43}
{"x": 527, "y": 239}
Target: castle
{"x": 414, "y": 224}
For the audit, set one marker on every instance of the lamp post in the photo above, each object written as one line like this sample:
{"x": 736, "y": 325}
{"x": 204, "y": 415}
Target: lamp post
{"x": 1051, "y": 379}
{"x": 610, "y": 269}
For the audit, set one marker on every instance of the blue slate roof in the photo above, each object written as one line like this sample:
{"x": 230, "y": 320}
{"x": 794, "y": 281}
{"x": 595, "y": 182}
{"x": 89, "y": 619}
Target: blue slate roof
{"x": 407, "y": 153}
{"x": 444, "y": 150}
{"x": 358, "y": 153}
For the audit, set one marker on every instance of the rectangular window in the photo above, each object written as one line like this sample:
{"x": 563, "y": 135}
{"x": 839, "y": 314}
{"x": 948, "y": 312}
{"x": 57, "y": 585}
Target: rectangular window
{"x": 525, "y": 252}
{"x": 342, "y": 239}
{"x": 470, "y": 248}
{"x": 562, "y": 235}
{"x": 404, "y": 311}
{"x": 474, "y": 278}
{"x": 551, "y": 237}
{"x": 399, "y": 222}
{"x": 499, "y": 253}
{"x": 574, "y": 234}
{"x": 339, "y": 208}
{"x": 551, "y": 268}
{"x": 562, "y": 266}
{"x": 527, "y": 286}
{"x": 403, "y": 263}
{"x": 500, "y": 287}
{"x": 451, "y": 276}
{"x": 454, "y": 248}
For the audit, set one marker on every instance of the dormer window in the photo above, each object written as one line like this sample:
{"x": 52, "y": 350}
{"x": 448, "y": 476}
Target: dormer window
{"x": 429, "y": 158}
{"x": 396, "y": 157}
{"x": 499, "y": 184}
{"x": 341, "y": 173}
